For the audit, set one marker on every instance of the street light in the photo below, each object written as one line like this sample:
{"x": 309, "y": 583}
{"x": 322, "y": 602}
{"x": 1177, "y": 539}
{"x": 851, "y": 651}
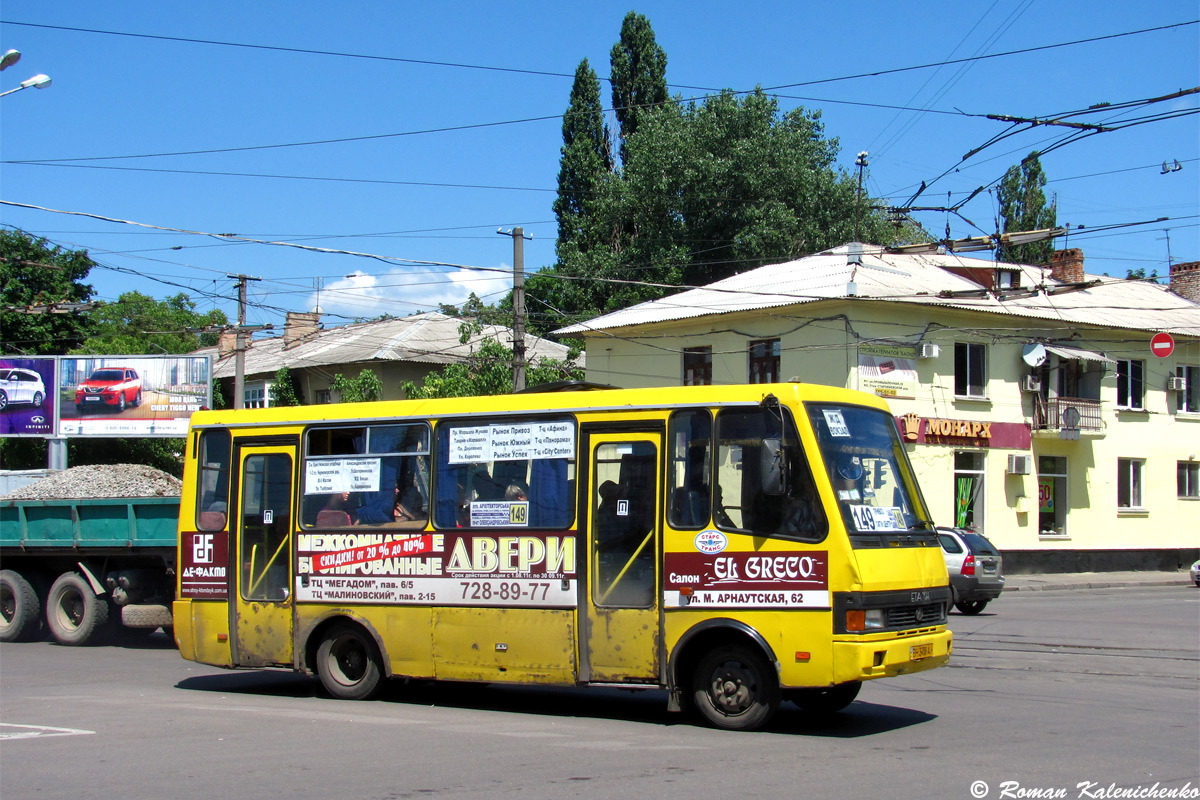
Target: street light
{"x": 37, "y": 82}
{"x": 9, "y": 58}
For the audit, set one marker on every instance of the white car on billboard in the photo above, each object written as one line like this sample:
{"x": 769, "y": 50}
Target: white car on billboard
{"x": 20, "y": 386}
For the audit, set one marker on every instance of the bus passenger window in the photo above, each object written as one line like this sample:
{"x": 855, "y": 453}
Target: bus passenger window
{"x": 689, "y": 467}
{"x": 212, "y": 493}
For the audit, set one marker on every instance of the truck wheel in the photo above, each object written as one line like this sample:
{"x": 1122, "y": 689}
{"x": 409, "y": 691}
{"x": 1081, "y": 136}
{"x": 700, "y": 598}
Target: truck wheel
{"x": 734, "y": 688}
{"x": 19, "y": 608}
{"x": 348, "y": 663}
{"x": 73, "y": 611}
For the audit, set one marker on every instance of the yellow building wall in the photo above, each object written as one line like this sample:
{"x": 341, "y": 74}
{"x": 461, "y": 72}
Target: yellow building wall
{"x": 821, "y": 346}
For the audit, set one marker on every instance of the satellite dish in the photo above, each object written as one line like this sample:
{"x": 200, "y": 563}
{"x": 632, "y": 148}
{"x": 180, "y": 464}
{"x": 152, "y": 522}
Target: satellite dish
{"x": 1034, "y": 354}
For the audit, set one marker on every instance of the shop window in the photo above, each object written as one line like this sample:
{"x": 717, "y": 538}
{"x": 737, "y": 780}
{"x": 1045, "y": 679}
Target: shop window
{"x": 764, "y": 361}
{"x": 969, "y": 379}
{"x": 1052, "y": 496}
{"x": 1188, "y": 400}
{"x": 1131, "y": 386}
{"x": 1130, "y": 478}
{"x": 968, "y": 491}
{"x": 697, "y": 366}
{"x": 1187, "y": 479}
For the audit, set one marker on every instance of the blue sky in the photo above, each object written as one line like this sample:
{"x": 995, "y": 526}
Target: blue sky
{"x": 440, "y": 176}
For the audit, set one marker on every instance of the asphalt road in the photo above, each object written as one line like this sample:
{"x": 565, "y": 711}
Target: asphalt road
{"x": 1047, "y": 690}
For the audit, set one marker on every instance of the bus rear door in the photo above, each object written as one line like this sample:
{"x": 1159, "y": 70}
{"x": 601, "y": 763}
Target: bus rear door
{"x": 262, "y": 556}
{"x": 619, "y": 640}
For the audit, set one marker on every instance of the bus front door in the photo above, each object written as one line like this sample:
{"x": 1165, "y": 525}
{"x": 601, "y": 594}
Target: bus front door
{"x": 620, "y": 636}
{"x": 262, "y": 561}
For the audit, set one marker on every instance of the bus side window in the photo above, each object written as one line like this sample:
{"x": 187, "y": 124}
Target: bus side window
{"x": 212, "y": 493}
{"x": 689, "y": 468}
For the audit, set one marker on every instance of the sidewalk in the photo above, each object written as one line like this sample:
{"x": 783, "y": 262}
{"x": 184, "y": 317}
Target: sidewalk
{"x": 1093, "y": 580}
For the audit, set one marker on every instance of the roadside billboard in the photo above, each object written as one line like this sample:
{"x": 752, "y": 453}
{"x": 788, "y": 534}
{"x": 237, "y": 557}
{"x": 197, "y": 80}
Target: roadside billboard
{"x": 888, "y": 370}
{"x": 26, "y": 396}
{"x": 131, "y": 395}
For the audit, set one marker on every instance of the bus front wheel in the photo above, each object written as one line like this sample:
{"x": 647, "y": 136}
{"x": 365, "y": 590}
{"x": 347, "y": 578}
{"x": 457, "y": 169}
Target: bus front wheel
{"x": 734, "y": 688}
{"x": 348, "y": 663}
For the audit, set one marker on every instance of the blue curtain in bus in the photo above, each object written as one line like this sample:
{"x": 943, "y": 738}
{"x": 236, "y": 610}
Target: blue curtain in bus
{"x": 378, "y": 507}
{"x": 549, "y": 497}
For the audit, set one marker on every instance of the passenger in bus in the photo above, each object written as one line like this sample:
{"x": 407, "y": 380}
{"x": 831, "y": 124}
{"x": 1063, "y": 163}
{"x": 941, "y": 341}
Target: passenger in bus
{"x": 515, "y": 492}
{"x": 410, "y": 504}
{"x": 338, "y": 512}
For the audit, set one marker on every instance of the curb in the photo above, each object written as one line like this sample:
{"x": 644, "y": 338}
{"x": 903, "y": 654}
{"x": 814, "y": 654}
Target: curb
{"x": 1053, "y": 587}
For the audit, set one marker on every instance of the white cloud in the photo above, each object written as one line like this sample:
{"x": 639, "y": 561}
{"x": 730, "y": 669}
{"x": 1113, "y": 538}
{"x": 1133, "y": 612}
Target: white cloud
{"x": 405, "y": 291}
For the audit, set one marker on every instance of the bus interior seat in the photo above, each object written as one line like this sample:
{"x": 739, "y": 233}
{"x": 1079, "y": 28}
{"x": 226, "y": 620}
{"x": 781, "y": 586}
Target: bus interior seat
{"x": 333, "y": 519}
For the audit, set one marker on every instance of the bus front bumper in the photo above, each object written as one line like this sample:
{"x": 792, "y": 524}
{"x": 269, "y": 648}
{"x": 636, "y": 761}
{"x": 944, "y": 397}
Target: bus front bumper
{"x": 866, "y": 659}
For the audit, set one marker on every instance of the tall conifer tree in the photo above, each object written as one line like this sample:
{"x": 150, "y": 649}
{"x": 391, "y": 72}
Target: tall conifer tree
{"x": 639, "y": 75}
{"x": 1023, "y": 208}
{"x": 586, "y": 154}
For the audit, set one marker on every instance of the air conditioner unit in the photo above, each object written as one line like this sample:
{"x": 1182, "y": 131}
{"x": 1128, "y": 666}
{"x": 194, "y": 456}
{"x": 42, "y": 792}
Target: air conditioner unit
{"x": 1176, "y": 383}
{"x": 928, "y": 350}
{"x": 1020, "y": 464}
{"x": 1031, "y": 383}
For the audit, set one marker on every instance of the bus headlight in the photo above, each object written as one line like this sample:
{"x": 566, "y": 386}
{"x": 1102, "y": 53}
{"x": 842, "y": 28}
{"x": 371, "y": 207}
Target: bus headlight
{"x": 858, "y": 620}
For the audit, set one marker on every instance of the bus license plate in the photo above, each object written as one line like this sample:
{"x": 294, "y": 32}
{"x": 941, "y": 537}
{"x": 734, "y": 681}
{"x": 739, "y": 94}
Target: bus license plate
{"x": 919, "y": 651}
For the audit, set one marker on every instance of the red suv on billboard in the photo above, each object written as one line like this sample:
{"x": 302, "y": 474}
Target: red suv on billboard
{"x": 109, "y": 387}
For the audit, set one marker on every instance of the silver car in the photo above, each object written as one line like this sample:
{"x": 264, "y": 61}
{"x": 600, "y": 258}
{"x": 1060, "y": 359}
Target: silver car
{"x": 975, "y": 567}
{"x": 20, "y": 386}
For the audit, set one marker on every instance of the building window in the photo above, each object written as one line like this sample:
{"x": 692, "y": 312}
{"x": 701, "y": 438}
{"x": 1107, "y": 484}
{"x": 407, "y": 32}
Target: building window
{"x": 968, "y": 490}
{"x": 697, "y": 366}
{"x": 1188, "y": 401}
{"x": 1187, "y": 479}
{"x": 1130, "y": 472}
{"x": 1052, "y": 496}
{"x": 256, "y": 395}
{"x": 968, "y": 369}
{"x": 1131, "y": 385}
{"x": 323, "y": 397}
{"x": 764, "y": 361}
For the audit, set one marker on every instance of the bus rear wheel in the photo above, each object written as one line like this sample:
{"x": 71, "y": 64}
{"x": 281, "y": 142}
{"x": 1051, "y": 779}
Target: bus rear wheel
{"x": 348, "y": 663}
{"x": 734, "y": 688}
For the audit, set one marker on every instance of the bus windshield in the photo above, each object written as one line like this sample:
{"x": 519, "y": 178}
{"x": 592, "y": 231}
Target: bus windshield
{"x": 871, "y": 476}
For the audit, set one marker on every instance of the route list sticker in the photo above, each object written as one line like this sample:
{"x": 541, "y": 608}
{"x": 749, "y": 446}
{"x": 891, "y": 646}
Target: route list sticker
{"x": 512, "y": 442}
{"x": 332, "y": 475}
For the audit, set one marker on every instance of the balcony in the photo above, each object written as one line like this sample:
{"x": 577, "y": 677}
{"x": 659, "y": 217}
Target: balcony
{"x": 1058, "y": 413}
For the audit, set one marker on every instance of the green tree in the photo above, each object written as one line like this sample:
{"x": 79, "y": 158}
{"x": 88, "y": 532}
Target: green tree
{"x": 489, "y": 372}
{"x": 32, "y": 273}
{"x": 136, "y": 323}
{"x": 708, "y": 190}
{"x": 639, "y": 76}
{"x": 365, "y": 388}
{"x": 586, "y": 156}
{"x": 285, "y": 390}
{"x": 1023, "y": 208}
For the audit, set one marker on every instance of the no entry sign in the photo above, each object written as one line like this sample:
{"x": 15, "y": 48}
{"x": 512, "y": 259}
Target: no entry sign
{"x": 1162, "y": 345}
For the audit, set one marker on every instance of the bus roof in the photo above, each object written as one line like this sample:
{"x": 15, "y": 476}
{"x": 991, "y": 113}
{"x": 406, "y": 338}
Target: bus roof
{"x": 660, "y": 397}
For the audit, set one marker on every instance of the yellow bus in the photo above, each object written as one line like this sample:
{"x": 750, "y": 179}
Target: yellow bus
{"x": 734, "y": 545}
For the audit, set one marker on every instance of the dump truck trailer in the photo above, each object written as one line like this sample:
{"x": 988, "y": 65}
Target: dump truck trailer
{"x": 83, "y": 569}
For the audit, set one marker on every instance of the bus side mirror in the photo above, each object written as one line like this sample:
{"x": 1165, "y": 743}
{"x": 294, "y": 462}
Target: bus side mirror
{"x": 773, "y": 468}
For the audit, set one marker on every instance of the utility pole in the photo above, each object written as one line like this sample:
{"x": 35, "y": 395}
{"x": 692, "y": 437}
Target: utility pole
{"x": 239, "y": 348}
{"x": 518, "y": 237}
{"x": 861, "y": 163}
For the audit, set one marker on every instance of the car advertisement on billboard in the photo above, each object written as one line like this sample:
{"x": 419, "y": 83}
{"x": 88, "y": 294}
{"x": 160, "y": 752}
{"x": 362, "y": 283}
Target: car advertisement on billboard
{"x": 26, "y": 396}
{"x": 131, "y": 395}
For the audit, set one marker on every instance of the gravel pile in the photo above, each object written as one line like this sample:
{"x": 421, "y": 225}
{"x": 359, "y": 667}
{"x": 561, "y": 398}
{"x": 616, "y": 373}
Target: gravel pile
{"x": 101, "y": 480}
